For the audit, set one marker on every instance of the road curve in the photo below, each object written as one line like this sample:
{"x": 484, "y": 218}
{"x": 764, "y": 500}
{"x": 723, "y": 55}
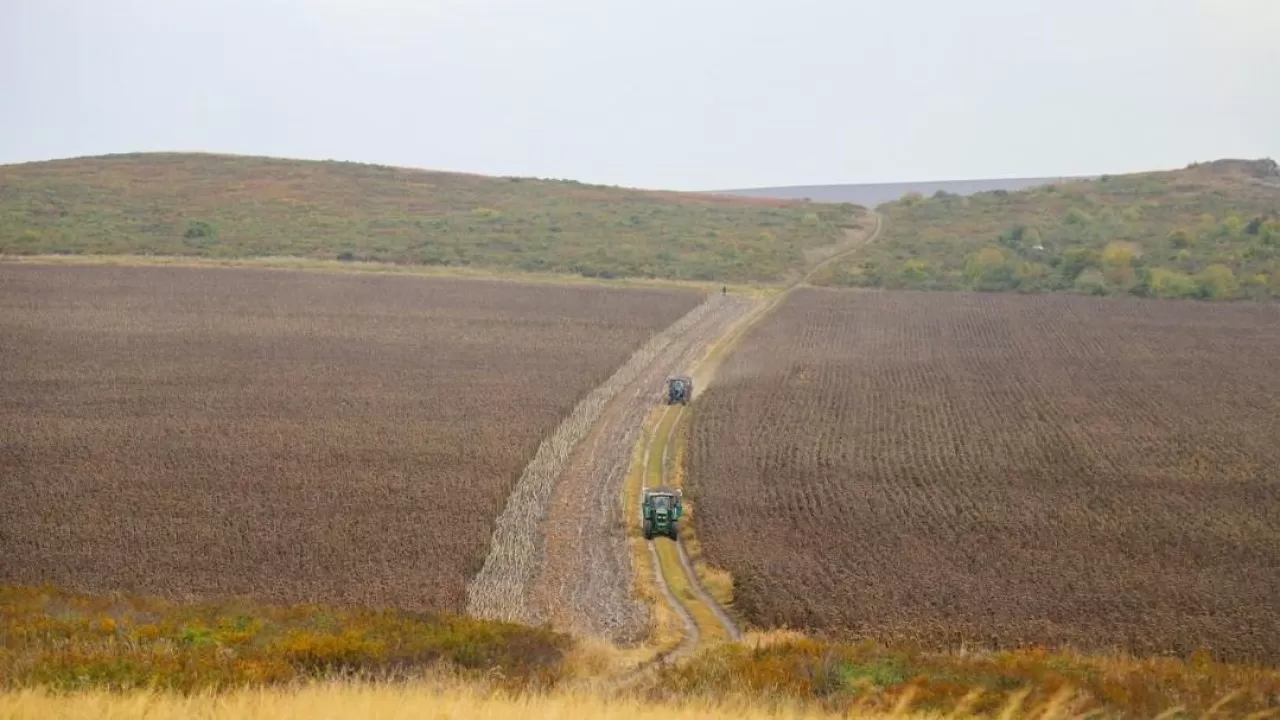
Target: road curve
{"x": 852, "y": 248}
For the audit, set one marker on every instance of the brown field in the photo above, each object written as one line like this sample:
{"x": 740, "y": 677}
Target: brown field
{"x": 986, "y": 470}
{"x": 293, "y": 436}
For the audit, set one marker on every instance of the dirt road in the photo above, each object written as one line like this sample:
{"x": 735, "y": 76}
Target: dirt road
{"x": 560, "y": 552}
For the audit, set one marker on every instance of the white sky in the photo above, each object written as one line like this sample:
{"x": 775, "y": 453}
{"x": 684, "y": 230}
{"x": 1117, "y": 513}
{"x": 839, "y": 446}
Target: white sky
{"x": 683, "y": 94}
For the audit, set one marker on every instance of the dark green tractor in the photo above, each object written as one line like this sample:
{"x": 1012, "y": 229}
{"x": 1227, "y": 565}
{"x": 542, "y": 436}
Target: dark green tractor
{"x": 661, "y": 509}
{"x": 679, "y": 390}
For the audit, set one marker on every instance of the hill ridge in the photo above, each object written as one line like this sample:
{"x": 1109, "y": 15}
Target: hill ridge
{"x": 875, "y": 194}
{"x": 221, "y": 205}
{"x": 871, "y": 194}
{"x": 1210, "y": 231}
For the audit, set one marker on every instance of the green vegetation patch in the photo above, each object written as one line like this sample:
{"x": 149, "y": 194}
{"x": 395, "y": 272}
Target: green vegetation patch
{"x": 68, "y": 641}
{"x": 871, "y": 677}
{"x": 240, "y": 207}
{"x": 1210, "y": 231}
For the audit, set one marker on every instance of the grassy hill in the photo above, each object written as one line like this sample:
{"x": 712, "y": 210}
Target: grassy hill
{"x": 233, "y": 206}
{"x": 1210, "y": 231}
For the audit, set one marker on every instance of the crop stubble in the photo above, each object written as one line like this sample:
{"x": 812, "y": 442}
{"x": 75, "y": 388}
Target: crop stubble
{"x": 999, "y": 470}
{"x": 292, "y": 436}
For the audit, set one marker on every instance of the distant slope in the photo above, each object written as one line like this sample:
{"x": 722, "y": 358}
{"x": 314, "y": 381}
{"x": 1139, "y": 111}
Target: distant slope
{"x": 873, "y": 194}
{"x": 1210, "y": 231}
{"x": 234, "y": 206}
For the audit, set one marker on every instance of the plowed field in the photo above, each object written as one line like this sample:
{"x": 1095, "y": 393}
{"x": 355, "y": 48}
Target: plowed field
{"x": 1001, "y": 470}
{"x": 293, "y": 436}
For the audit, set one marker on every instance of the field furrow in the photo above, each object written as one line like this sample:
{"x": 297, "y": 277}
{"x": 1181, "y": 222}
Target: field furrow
{"x": 291, "y": 436}
{"x": 1000, "y": 471}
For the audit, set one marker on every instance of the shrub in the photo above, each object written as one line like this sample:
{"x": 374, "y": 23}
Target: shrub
{"x": 1076, "y": 216}
{"x": 1215, "y": 282}
{"x": 197, "y": 229}
{"x": 71, "y": 641}
{"x": 1181, "y": 239}
{"x": 914, "y": 271}
{"x": 1167, "y": 283}
{"x": 1216, "y": 217}
{"x": 1091, "y": 282}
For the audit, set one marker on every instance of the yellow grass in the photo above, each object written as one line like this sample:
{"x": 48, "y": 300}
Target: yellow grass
{"x": 421, "y": 701}
{"x": 708, "y": 624}
{"x": 595, "y": 662}
{"x": 657, "y": 450}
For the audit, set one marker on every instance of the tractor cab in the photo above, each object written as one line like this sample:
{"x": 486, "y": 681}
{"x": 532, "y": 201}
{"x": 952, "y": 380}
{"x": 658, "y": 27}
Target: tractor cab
{"x": 661, "y": 509}
{"x": 679, "y": 390}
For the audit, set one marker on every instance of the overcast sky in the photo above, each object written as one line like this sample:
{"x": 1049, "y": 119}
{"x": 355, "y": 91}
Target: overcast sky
{"x": 684, "y": 94}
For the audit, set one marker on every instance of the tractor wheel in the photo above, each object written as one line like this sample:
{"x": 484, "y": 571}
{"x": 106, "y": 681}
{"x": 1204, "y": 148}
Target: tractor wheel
{"x": 675, "y": 532}
{"x": 648, "y": 529}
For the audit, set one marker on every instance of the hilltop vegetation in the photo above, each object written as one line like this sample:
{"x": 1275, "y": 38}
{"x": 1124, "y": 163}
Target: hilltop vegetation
{"x": 235, "y": 207}
{"x": 1209, "y": 231}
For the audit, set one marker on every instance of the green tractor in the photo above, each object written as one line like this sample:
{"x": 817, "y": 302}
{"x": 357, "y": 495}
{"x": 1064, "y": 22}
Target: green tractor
{"x": 661, "y": 509}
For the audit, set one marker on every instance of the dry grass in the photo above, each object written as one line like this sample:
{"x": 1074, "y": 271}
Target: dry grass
{"x": 998, "y": 471}
{"x": 298, "y": 437}
{"x": 446, "y": 700}
{"x": 71, "y": 641}
{"x": 788, "y": 667}
{"x": 381, "y": 702}
{"x": 53, "y": 640}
